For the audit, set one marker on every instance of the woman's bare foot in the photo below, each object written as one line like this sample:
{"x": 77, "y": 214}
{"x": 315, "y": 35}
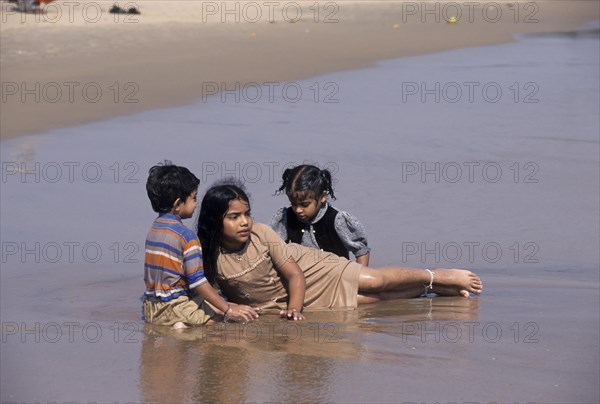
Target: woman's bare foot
{"x": 179, "y": 325}
{"x": 463, "y": 281}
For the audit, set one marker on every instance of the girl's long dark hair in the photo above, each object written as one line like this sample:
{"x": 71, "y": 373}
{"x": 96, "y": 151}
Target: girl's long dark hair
{"x": 210, "y": 222}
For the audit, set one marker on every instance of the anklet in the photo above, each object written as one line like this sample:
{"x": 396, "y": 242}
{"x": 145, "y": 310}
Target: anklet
{"x": 430, "y": 286}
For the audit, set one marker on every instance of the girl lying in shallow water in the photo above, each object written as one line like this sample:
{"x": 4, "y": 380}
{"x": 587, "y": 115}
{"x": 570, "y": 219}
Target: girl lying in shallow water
{"x": 252, "y": 265}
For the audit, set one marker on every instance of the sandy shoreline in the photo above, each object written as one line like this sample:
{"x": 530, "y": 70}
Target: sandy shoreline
{"x": 78, "y": 63}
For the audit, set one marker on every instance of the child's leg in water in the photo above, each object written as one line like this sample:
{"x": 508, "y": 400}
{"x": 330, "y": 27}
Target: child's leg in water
{"x": 395, "y": 282}
{"x": 180, "y": 325}
{"x": 408, "y": 293}
{"x": 366, "y": 298}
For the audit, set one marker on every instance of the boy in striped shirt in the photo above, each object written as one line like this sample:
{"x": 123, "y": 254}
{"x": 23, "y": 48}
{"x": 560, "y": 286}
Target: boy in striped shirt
{"x": 176, "y": 290}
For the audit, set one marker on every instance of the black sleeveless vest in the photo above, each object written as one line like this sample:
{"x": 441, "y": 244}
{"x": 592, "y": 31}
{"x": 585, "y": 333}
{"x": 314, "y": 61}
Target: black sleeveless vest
{"x": 325, "y": 234}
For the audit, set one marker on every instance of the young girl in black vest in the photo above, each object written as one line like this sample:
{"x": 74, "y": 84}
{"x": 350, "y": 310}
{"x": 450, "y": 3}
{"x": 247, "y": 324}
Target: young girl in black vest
{"x": 312, "y": 222}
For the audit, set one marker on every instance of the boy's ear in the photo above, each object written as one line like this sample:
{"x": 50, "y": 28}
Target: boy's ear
{"x": 177, "y": 204}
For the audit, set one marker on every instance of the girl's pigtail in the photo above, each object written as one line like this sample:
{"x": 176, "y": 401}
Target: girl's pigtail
{"x": 285, "y": 181}
{"x": 326, "y": 176}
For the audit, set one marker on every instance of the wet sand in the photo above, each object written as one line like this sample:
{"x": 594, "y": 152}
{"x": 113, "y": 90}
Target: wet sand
{"x": 501, "y": 348}
{"x": 84, "y": 64}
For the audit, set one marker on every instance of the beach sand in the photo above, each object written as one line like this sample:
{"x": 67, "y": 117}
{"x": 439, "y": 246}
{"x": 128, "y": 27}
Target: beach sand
{"x": 77, "y": 63}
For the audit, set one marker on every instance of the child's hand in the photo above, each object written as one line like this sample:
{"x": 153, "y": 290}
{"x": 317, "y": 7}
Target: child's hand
{"x": 291, "y": 314}
{"x": 242, "y": 313}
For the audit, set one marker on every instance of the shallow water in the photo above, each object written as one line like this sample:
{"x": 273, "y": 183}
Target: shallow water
{"x": 526, "y": 218}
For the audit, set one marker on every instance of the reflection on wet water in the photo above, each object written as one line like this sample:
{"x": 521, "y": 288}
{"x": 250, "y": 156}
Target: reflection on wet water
{"x": 293, "y": 361}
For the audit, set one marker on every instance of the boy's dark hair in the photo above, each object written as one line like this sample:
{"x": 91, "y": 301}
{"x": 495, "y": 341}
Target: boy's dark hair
{"x": 306, "y": 181}
{"x": 168, "y": 182}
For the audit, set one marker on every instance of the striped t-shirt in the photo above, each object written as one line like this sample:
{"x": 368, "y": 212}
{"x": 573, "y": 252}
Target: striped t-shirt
{"x": 173, "y": 259}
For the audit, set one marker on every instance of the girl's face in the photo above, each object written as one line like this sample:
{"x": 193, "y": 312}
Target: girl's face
{"x": 237, "y": 225}
{"x": 306, "y": 206}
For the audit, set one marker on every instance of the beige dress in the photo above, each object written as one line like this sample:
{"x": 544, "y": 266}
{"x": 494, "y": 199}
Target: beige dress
{"x": 250, "y": 275}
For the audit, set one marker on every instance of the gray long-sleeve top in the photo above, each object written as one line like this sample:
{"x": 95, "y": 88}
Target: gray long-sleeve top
{"x": 350, "y": 229}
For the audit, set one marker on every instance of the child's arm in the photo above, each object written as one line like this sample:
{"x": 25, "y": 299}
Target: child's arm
{"x": 353, "y": 235}
{"x": 288, "y": 268}
{"x": 296, "y": 282}
{"x": 236, "y": 312}
{"x": 364, "y": 259}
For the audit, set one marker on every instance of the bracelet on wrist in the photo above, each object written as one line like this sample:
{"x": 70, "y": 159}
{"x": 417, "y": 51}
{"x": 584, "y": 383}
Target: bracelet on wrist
{"x": 226, "y": 313}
